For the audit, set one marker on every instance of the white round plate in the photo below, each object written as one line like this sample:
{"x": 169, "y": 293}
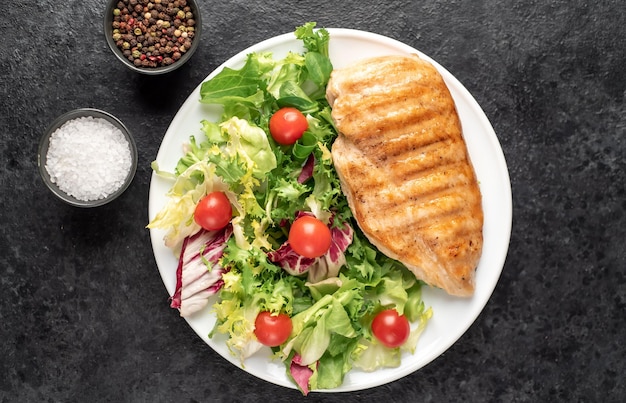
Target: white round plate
{"x": 451, "y": 316}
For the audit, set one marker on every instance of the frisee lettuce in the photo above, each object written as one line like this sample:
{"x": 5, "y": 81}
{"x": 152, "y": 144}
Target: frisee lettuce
{"x": 331, "y": 300}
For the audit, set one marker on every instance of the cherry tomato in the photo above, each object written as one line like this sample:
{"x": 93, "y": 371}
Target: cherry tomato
{"x": 390, "y": 328}
{"x": 287, "y": 125}
{"x": 272, "y": 330}
{"x": 213, "y": 211}
{"x": 309, "y": 237}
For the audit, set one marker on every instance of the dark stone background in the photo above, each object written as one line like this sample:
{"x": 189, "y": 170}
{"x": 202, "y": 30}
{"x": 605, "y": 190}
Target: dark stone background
{"x": 83, "y": 312}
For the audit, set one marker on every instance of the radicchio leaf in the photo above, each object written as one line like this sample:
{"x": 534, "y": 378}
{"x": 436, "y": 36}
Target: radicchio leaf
{"x": 329, "y": 265}
{"x": 317, "y": 268}
{"x": 198, "y": 275}
{"x": 307, "y": 169}
{"x": 290, "y": 261}
{"x": 301, "y": 374}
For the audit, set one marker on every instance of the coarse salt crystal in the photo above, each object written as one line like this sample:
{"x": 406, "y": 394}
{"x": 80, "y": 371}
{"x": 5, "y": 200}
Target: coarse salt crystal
{"x": 88, "y": 158}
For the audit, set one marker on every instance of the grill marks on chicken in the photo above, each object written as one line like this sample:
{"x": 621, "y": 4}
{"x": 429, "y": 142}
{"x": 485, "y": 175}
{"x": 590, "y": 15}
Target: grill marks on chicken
{"x": 405, "y": 170}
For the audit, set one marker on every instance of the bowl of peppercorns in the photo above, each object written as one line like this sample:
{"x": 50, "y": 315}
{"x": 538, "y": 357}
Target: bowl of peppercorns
{"x": 153, "y": 36}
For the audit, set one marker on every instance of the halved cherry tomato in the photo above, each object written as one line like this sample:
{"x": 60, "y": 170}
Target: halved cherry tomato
{"x": 287, "y": 125}
{"x": 213, "y": 211}
{"x": 390, "y": 328}
{"x": 272, "y": 330}
{"x": 309, "y": 237}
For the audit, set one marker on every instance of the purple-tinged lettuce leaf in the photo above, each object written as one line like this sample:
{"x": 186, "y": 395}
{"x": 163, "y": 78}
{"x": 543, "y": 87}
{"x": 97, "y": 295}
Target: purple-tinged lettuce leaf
{"x": 198, "y": 275}
{"x": 307, "y": 169}
{"x": 301, "y": 374}
{"x": 320, "y": 268}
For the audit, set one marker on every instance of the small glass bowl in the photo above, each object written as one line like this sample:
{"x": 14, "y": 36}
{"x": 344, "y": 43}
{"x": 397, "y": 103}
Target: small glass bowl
{"x": 44, "y": 143}
{"x": 108, "y": 33}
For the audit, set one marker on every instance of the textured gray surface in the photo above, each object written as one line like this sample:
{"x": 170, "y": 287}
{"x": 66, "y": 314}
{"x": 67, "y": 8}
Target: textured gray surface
{"x": 83, "y": 312}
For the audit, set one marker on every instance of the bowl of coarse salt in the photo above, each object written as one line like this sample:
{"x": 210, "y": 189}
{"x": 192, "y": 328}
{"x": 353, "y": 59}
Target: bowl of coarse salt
{"x": 87, "y": 157}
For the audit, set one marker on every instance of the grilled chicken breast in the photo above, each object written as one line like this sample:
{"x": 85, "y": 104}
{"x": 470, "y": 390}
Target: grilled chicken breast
{"x": 405, "y": 169}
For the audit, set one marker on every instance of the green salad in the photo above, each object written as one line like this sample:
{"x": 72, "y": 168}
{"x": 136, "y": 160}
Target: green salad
{"x": 265, "y": 238}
